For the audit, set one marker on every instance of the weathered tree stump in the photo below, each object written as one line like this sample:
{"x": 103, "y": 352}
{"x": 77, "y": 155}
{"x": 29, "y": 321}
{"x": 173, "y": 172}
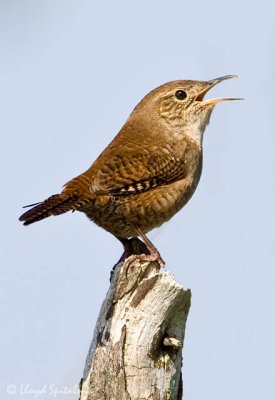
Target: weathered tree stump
{"x": 136, "y": 352}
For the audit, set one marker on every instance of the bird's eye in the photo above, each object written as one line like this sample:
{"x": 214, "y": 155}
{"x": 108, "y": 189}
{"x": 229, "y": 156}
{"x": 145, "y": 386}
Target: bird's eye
{"x": 180, "y": 94}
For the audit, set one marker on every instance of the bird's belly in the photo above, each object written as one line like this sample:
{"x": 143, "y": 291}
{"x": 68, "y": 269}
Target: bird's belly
{"x": 146, "y": 210}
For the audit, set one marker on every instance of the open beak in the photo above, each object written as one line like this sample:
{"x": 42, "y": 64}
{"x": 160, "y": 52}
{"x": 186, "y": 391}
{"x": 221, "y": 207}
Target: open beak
{"x": 211, "y": 84}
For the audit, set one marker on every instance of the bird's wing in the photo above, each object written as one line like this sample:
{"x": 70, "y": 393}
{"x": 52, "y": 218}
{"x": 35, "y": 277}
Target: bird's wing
{"x": 135, "y": 173}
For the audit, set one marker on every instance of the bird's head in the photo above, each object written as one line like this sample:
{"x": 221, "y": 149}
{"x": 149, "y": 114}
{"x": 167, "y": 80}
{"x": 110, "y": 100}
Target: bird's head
{"x": 181, "y": 105}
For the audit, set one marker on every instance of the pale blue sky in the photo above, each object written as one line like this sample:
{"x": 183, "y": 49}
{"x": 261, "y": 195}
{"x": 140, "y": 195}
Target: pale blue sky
{"x": 71, "y": 72}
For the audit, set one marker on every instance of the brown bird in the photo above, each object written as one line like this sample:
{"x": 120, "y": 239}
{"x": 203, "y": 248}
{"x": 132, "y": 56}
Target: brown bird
{"x": 148, "y": 172}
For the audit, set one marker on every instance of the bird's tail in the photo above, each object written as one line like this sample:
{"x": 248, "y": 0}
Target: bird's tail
{"x": 54, "y": 205}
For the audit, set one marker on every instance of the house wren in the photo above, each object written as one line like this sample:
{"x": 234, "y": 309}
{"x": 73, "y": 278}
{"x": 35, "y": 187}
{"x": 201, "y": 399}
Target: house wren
{"x": 148, "y": 172}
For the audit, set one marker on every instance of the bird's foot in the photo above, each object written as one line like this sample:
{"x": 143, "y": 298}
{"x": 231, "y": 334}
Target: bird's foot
{"x": 136, "y": 250}
{"x": 154, "y": 256}
{"x": 132, "y": 246}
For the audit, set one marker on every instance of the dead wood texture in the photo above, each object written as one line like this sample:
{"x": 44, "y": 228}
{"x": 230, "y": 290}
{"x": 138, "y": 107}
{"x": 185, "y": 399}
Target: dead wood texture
{"x": 136, "y": 352}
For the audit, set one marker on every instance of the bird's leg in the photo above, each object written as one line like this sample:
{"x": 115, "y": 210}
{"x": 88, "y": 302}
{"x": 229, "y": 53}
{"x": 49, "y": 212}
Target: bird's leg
{"x": 154, "y": 253}
{"x": 135, "y": 249}
{"x": 132, "y": 247}
{"x": 147, "y": 251}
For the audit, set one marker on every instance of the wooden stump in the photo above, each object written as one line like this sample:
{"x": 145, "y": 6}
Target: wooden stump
{"x": 136, "y": 352}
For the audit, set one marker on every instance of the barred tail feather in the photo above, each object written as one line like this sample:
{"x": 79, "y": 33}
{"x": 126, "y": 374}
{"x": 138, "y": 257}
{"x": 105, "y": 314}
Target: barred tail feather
{"x": 54, "y": 205}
